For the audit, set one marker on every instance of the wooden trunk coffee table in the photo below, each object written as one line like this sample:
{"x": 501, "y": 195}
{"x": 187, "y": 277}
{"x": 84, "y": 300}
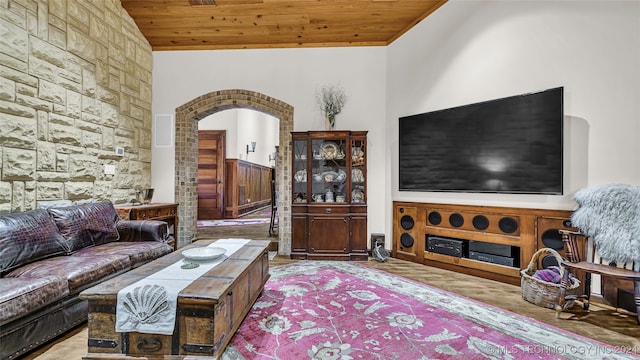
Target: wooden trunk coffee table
{"x": 209, "y": 311}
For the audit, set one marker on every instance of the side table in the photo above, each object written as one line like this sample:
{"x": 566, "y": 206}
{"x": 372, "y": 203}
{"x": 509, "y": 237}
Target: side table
{"x": 165, "y": 212}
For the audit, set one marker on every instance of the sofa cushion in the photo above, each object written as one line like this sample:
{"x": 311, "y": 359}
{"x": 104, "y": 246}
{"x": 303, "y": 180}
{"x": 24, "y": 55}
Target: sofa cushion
{"x": 86, "y": 225}
{"x": 138, "y": 252}
{"x": 26, "y": 237}
{"x": 21, "y": 296}
{"x": 79, "y": 271}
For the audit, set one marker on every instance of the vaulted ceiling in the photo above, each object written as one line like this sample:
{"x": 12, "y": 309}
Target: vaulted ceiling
{"x": 250, "y": 24}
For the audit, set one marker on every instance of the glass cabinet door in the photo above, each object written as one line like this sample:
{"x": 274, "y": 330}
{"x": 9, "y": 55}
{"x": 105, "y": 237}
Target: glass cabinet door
{"x": 300, "y": 171}
{"x": 329, "y": 171}
{"x": 358, "y": 170}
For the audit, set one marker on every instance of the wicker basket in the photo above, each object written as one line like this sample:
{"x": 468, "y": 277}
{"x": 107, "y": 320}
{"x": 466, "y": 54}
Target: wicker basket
{"x": 544, "y": 293}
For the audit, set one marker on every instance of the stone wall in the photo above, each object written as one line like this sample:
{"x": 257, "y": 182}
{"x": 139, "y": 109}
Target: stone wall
{"x": 75, "y": 84}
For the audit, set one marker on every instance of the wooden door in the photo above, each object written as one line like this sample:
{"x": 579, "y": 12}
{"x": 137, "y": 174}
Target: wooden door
{"x": 211, "y": 155}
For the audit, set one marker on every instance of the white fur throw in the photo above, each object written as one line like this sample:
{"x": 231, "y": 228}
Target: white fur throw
{"x": 610, "y": 215}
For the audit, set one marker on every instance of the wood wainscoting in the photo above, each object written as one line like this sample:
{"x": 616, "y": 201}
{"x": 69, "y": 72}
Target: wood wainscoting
{"x": 247, "y": 187}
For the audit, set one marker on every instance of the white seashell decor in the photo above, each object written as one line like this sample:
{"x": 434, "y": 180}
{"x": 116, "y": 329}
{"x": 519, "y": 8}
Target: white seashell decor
{"x": 146, "y": 304}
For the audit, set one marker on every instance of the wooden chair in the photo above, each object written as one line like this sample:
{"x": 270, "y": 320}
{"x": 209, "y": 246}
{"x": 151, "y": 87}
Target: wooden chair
{"x": 274, "y": 209}
{"x": 582, "y": 261}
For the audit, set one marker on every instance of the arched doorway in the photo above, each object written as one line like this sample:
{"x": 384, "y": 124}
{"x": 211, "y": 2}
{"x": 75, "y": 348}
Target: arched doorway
{"x": 186, "y": 156}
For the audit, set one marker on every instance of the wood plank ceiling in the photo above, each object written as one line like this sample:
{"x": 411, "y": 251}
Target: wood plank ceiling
{"x": 247, "y": 24}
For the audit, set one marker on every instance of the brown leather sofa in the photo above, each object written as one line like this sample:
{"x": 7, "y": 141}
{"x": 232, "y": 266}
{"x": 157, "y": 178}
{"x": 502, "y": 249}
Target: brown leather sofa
{"x": 47, "y": 257}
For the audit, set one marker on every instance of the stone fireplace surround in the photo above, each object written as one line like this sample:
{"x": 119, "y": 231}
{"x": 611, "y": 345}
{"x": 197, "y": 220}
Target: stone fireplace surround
{"x": 186, "y": 156}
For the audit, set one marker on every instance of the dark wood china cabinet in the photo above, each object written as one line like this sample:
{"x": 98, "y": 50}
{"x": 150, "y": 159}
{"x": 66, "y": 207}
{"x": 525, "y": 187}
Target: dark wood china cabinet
{"x": 329, "y": 200}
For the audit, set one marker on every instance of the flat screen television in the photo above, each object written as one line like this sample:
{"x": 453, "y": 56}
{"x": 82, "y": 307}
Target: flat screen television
{"x": 510, "y": 145}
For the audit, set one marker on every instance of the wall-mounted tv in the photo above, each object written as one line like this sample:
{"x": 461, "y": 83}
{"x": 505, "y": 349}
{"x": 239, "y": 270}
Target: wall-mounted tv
{"x": 509, "y": 145}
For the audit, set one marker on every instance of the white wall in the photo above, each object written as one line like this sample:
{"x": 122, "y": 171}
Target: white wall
{"x": 468, "y": 52}
{"x": 261, "y": 128}
{"x": 243, "y": 126}
{"x": 289, "y": 75}
{"x": 224, "y": 120}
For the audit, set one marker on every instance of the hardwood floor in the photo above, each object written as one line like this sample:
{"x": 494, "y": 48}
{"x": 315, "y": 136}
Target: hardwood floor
{"x": 601, "y": 325}
{"x": 257, "y": 232}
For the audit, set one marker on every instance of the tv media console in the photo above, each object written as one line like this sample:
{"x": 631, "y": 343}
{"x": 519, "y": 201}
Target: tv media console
{"x": 486, "y": 241}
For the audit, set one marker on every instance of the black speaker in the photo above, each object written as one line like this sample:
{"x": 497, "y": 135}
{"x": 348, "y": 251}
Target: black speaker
{"x": 551, "y": 238}
{"x": 406, "y": 222}
{"x": 456, "y": 220}
{"x": 548, "y": 236}
{"x": 549, "y": 261}
{"x": 508, "y": 225}
{"x": 406, "y": 240}
{"x": 434, "y": 218}
{"x": 480, "y": 222}
{"x": 405, "y": 231}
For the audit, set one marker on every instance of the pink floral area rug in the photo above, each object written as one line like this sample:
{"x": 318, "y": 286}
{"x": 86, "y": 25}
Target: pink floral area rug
{"x": 345, "y": 310}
